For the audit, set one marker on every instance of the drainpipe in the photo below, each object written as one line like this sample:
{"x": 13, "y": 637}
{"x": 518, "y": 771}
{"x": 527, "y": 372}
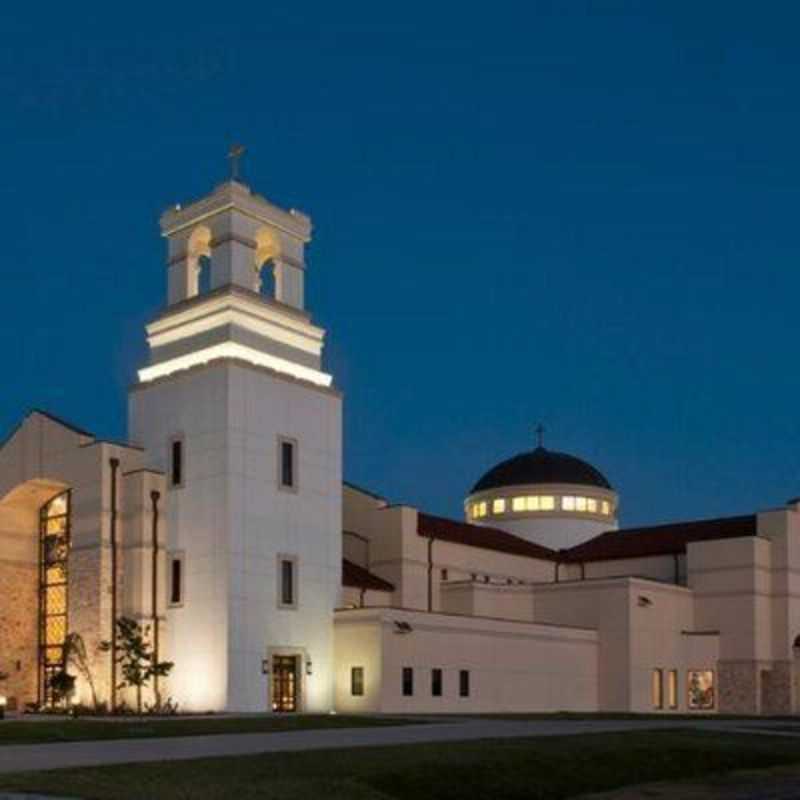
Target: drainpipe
{"x": 114, "y": 463}
{"x": 155, "y": 496}
{"x": 430, "y": 573}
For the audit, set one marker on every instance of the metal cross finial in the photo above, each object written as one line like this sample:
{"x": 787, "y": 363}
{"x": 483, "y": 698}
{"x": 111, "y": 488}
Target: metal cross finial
{"x": 539, "y": 430}
{"x": 235, "y": 154}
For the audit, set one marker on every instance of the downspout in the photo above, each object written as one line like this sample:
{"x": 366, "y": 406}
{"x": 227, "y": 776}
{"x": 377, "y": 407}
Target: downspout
{"x": 114, "y": 463}
{"x": 430, "y": 573}
{"x": 155, "y": 497}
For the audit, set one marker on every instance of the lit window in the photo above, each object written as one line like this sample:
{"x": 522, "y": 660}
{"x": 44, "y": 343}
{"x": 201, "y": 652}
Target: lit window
{"x": 518, "y": 504}
{"x": 591, "y": 505}
{"x": 499, "y": 506}
{"x": 357, "y": 681}
{"x": 568, "y": 503}
{"x": 606, "y": 508}
{"x": 700, "y": 689}
{"x": 580, "y": 504}
{"x": 658, "y": 688}
{"x": 482, "y": 508}
{"x": 547, "y": 503}
{"x": 532, "y": 503}
{"x": 287, "y": 463}
{"x": 672, "y": 688}
{"x": 287, "y": 594}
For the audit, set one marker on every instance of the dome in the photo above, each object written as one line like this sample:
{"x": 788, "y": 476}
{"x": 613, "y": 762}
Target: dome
{"x": 541, "y": 466}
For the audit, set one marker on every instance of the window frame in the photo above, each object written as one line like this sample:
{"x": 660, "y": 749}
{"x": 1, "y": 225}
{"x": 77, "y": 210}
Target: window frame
{"x": 284, "y": 441}
{"x": 464, "y": 683}
{"x": 176, "y": 557}
{"x": 286, "y": 558}
{"x": 657, "y": 689}
{"x": 437, "y": 682}
{"x": 407, "y": 682}
{"x": 357, "y": 686}
{"x": 177, "y": 440}
{"x": 673, "y": 689}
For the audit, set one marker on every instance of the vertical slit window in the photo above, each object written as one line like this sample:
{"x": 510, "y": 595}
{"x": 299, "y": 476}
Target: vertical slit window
{"x": 357, "y": 681}
{"x": 176, "y": 581}
{"x": 436, "y": 682}
{"x": 463, "y": 683}
{"x": 176, "y": 465}
{"x": 408, "y": 681}
{"x": 658, "y": 688}
{"x": 287, "y": 463}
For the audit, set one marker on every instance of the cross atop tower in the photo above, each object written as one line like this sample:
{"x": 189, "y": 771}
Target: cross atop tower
{"x": 235, "y": 154}
{"x": 539, "y": 431}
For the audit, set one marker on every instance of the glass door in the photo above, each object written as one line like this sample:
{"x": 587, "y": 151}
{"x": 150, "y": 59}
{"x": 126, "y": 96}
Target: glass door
{"x": 284, "y": 683}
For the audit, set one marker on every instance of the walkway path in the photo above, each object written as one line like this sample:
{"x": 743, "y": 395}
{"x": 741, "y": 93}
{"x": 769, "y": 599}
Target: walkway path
{"x": 16, "y": 758}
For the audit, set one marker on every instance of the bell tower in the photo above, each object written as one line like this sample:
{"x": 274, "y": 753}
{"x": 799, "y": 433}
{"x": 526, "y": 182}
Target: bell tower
{"x": 234, "y": 406}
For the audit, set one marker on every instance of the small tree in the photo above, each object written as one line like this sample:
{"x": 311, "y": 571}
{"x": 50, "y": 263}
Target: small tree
{"x": 135, "y": 657}
{"x": 62, "y": 685}
{"x": 75, "y": 654}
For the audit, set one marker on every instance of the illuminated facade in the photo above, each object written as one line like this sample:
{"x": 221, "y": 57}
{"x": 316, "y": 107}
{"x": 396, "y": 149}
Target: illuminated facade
{"x": 226, "y": 529}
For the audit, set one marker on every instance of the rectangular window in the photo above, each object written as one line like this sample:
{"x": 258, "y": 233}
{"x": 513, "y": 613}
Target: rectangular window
{"x": 568, "y": 503}
{"x": 580, "y": 504}
{"x": 408, "y": 681}
{"x": 700, "y": 689}
{"x": 547, "y": 503}
{"x": 499, "y": 506}
{"x": 606, "y": 507}
{"x": 672, "y": 688}
{"x": 463, "y": 683}
{"x": 176, "y": 462}
{"x": 436, "y": 682}
{"x": 658, "y": 688}
{"x": 287, "y": 463}
{"x": 357, "y": 681}
{"x": 176, "y": 580}
{"x": 518, "y": 504}
{"x": 287, "y": 595}
{"x": 532, "y": 503}
{"x": 591, "y": 505}
{"x": 444, "y": 574}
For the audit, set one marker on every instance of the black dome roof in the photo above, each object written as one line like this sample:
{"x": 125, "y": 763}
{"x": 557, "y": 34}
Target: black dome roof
{"x": 541, "y": 466}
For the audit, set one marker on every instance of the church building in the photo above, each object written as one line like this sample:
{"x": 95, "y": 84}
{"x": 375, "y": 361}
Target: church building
{"x": 224, "y": 527}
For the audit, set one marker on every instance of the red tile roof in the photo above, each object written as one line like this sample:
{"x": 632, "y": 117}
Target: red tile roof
{"x": 355, "y": 575}
{"x": 450, "y": 530}
{"x": 658, "y": 540}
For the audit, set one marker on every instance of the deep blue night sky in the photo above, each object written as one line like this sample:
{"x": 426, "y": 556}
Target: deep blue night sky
{"x": 581, "y": 213}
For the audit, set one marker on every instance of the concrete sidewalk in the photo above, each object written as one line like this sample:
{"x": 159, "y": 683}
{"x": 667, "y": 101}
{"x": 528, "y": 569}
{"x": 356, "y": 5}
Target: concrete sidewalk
{"x": 17, "y": 758}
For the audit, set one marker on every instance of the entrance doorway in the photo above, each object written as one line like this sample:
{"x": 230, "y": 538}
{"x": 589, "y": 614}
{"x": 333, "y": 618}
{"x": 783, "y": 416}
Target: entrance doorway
{"x": 284, "y": 683}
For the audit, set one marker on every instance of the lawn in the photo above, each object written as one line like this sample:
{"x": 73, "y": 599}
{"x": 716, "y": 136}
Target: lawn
{"x": 76, "y": 730}
{"x": 513, "y": 769}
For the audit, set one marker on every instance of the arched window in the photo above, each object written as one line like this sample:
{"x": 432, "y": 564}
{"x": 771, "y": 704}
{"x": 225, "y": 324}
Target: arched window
{"x": 203, "y": 275}
{"x": 198, "y": 257}
{"x": 267, "y": 250}
{"x": 54, "y": 536}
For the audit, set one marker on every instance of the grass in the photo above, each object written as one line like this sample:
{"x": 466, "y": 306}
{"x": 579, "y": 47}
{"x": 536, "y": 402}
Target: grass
{"x": 515, "y": 769}
{"x": 77, "y": 730}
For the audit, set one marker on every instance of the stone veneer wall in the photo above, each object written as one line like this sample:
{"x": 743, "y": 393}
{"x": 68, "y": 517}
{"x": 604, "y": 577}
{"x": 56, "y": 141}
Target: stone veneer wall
{"x": 738, "y": 687}
{"x": 777, "y": 688}
{"x": 19, "y": 636}
{"x": 89, "y": 616}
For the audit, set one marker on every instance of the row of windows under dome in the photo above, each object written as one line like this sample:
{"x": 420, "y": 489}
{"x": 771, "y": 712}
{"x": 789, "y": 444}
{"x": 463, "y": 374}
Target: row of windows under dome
{"x": 542, "y": 502}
